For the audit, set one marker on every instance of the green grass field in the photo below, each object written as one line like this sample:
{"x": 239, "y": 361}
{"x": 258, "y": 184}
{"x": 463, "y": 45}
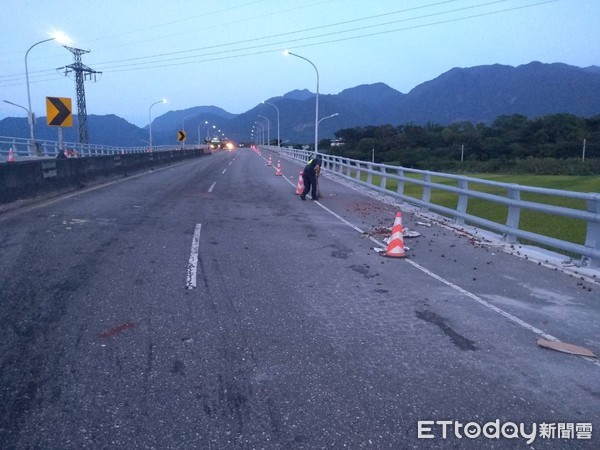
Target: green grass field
{"x": 572, "y": 230}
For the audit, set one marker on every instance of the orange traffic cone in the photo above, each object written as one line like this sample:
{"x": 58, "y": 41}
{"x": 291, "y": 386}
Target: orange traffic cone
{"x": 395, "y": 248}
{"x": 300, "y": 187}
{"x": 11, "y": 156}
{"x": 270, "y": 163}
{"x": 278, "y": 171}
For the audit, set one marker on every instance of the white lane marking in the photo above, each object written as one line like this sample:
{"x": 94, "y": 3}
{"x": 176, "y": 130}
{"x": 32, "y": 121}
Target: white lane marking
{"x": 466, "y": 293}
{"x": 224, "y": 171}
{"x": 192, "y": 270}
{"x": 212, "y": 186}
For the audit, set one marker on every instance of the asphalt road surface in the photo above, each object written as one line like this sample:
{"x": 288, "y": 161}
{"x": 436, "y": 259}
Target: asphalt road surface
{"x": 204, "y": 305}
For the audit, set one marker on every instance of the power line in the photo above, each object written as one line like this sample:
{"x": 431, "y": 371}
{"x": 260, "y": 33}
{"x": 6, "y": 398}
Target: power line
{"x": 276, "y": 45}
{"x": 220, "y": 25}
{"x": 209, "y": 57}
{"x": 297, "y": 31}
{"x": 334, "y": 40}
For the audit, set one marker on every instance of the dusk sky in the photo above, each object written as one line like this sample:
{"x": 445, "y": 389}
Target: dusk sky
{"x": 229, "y": 53}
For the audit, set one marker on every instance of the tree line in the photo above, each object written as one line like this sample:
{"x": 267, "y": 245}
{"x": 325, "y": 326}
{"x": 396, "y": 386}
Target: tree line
{"x": 552, "y": 144}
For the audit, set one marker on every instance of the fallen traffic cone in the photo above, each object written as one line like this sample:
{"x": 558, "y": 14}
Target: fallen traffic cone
{"x": 278, "y": 171}
{"x": 395, "y": 248}
{"x": 270, "y": 163}
{"x": 11, "y": 156}
{"x": 300, "y": 187}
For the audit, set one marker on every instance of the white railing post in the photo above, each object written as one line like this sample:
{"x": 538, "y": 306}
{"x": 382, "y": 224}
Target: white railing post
{"x": 463, "y": 201}
{"x": 383, "y": 180}
{"x": 592, "y": 237}
{"x": 370, "y": 174}
{"x": 426, "y": 198}
{"x": 514, "y": 213}
{"x": 400, "y": 189}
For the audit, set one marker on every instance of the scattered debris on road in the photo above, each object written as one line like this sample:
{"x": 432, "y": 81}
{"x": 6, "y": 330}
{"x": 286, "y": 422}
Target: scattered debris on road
{"x": 565, "y": 348}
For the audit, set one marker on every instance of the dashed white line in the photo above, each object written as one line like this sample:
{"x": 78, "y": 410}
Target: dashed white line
{"x": 192, "y": 270}
{"x": 224, "y": 171}
{"x": 212, "y": 186}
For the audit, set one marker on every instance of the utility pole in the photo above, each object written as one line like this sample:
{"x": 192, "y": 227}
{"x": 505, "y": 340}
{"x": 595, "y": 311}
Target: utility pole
{"x": 82, "y": 73}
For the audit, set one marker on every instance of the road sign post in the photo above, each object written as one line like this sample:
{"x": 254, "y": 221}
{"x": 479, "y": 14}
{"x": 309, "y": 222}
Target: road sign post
{"x": 181, "y": 137}
{"x": 58, "y": 114}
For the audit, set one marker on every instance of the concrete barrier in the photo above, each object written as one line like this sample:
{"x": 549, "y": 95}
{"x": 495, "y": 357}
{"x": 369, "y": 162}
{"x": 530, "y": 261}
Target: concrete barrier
{"x": 26, "y": 179}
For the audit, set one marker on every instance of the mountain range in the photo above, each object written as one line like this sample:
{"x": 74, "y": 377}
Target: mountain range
{"x": 475, "y": 94}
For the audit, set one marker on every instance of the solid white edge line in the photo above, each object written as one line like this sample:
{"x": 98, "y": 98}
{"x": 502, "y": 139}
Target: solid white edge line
{"x": 192, "y": 270}
{"x": 466, "y": 293}
{"x": 212, "y": 186}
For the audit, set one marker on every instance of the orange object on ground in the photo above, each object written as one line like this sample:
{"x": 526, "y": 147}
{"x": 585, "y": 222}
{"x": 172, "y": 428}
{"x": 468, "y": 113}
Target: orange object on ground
{"x": 395, "y": 248}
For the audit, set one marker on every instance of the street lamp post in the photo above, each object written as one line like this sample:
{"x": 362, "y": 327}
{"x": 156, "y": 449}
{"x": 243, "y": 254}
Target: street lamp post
{"x": 61, "y": 38}
{"x": 262, "y": 130}
{"x": 278, "y": 137}
{"x": 199, "y": 125}
{"x": 287, "y": 52}
{"x": 183, "y": 127}
{"x": 268, "y": 129}
{"x": 150, "y": 118}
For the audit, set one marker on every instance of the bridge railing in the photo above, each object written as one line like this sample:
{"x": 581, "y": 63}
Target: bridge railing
{"x": 46, "y": 148}
{"x": 381, "y": 177}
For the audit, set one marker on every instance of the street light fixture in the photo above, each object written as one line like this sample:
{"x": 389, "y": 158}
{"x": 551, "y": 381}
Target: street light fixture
{"x": 268, "y": 129}
{"x": 164, "y": 100}
{"x": 61, "y": 38}
{"x": 278, "y": 138}
{"x": 329, "y": 117}
{"x": 18, "y": 106}
{"x": 287, "y": 52}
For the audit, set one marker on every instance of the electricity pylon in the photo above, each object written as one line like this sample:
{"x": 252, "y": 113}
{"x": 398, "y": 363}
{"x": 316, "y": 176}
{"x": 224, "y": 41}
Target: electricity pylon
{"x": 82, "y": 73}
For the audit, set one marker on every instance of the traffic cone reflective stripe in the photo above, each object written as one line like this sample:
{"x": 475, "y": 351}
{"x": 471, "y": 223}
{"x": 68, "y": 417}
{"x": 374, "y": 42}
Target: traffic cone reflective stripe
{"x": 278, "y": 172}
{"x": 300, "y": 186}
{"x": 11, "y": 156}
{"x": 395, "y": 248}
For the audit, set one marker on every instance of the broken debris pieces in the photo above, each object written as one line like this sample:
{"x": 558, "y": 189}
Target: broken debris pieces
{"x": 565, "y": 348}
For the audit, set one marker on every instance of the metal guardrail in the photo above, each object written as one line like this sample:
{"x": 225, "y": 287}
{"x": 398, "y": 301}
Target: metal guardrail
{"x": 50, "y": 149}
{"x": 356, "y": 171}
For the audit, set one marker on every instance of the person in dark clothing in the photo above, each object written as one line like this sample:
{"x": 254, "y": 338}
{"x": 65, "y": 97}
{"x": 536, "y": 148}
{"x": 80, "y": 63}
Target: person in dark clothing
{"x": 309, "y": 177}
